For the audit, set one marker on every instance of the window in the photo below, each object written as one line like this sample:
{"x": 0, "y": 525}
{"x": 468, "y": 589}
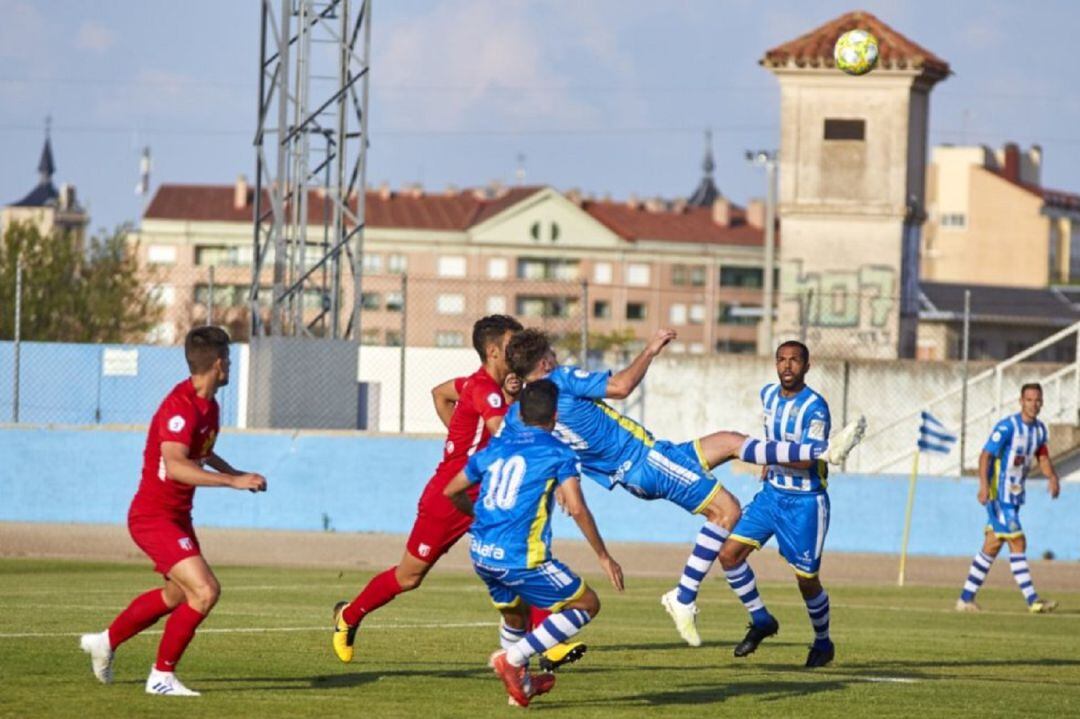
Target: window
{"x": 394, "y": 302}
{"x": 371, "y": 300}
{"x": 393, "y": 338}
{"x": 637, "y": 274}
{"x": 538, "y": 268}
{"x": 498, "y": 268}
{"x": 397, "y": 264}
{"x": 688, "y": 275}
{"x": 451, "y": 266}
{"x": 227, "y": 295}
{"x": 845, "y": 129}
{"x": 741, "y": 277}
{"x": 165, "y": 295}
{"x": 635, "y": 311}
{"x": 677, "y": 314}
{"x": 370, "y": 336}
{"x": 450, "y": 304}
{"x": 225, "y": 255}
{"x": 602, "y": 273}
{"x": 447, "y": 338}
{"x": 734, "y": 314}
{"x": 372, "y": 264}
{"x": 736, "y": 347}
{"x": 954, "y": 219}
{"x": 601, "y": 309}
{"x": 697, "y": 348}
{"x": 535, "y": 306}
{"x": 161, "y": 254}
{"x": 496, "y": 305}
{"x": 697, "y": 314}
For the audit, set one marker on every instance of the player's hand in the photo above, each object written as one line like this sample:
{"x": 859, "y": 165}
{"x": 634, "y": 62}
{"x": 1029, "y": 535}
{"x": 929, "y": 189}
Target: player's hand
{"x": 613, "y": 571}
{"x": 984, "y": 494}
{"x": 660, "y": 340}
{"x": 511, "y": 385}
{"x": 250, "y": 481}
{"x": 1055, "y": 487}
{"x": 560, "y": 499}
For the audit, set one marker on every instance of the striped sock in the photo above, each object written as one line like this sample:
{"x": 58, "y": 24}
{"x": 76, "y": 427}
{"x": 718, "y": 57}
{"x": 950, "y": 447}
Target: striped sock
{"x": 508, "y": 636}
{"x": 1022, "y": 575}
{"x": 818, "y": 609}
{"x": 980, "y": 565}
{"x": 762, "y": 451}
{"x": 706, "y": 549}
{"x": 557, "y": 628}
{"x": 742, "y": 582}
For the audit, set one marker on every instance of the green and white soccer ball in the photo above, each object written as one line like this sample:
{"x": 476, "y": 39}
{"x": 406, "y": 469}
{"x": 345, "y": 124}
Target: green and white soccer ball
{"x": 856, "y": 52}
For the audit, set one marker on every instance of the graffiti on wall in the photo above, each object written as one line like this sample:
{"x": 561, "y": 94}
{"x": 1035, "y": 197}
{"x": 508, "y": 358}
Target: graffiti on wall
{"x": 863, "y": 299}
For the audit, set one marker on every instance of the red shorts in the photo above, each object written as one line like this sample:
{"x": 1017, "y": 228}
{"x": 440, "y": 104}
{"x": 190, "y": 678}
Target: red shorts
{"x": 166, "y": 540}
{"x": 438, "y": 526}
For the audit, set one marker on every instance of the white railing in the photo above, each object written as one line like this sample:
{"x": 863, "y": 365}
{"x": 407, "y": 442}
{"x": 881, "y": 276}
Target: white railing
{"x": 1061, "y": 395}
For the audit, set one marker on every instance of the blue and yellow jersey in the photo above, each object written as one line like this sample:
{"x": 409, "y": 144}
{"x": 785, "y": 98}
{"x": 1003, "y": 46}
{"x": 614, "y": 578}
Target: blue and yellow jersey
{"x": 1014, "y": 444}
{"x": 802, "y": 418}
{"x": 517, "y": 474}
{"x": 607, "y": 442}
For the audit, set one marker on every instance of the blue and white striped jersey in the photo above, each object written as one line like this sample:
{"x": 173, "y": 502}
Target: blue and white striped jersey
{"x": 802, "y": 418}
{"x": 1014, "y": 445}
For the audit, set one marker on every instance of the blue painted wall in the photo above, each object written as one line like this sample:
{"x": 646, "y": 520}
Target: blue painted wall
{"x": 373, "y": 483}
{"x": 63, "y": 384}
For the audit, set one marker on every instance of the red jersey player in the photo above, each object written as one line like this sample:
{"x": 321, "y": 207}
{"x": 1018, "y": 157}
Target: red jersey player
{"x": 180, "y": 441}
{"x": 476, "y": 415}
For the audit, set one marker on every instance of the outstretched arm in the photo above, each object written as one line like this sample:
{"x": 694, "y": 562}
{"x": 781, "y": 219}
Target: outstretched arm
{"x": 181, "y": 468}
{"x": 626, "y": 380}
{"x": 574, "y": 504}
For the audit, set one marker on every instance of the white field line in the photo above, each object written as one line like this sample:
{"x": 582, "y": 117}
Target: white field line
{"x": 268, "y": 630}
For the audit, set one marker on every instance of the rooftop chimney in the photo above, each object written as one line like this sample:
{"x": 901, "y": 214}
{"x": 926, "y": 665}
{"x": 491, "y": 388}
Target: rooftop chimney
{"x": 755, "y": 214}
{"x": 384, "y": 190}
{"x": 1011, "y": 170}
{"x": 240, "y": 193}
{"x": 721, "y": 212}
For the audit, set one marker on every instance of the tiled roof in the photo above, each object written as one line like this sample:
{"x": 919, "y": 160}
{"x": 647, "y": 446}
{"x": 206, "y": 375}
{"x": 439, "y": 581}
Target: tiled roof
{"x": 1058, "y": 199}
{"x": 692, "y": 224}
{"x": 43, "y": 195}
{"x": 461, "y": 210}
{"x": 815, "y": 48}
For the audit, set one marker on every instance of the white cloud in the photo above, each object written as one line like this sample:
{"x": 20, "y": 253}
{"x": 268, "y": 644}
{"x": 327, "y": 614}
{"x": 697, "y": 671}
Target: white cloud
{"x": 468, "y": 61}
{"x": 94, "y": 36}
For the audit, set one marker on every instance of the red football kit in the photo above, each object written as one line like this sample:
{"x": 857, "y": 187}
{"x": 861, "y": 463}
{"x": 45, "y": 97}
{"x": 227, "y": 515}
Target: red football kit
{"x": 160, "y": 516}
{"x": 439, "y": 524}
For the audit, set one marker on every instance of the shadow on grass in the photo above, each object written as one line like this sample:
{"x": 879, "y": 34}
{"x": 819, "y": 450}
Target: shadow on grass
{"x": 697, "y": 694}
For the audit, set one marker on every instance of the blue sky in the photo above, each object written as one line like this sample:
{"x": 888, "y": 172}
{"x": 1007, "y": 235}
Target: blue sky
{"x": 605, "y": 96}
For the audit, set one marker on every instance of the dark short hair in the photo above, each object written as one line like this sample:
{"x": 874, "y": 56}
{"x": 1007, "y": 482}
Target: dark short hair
{"x": 525, "y": 351}
{"x": 803, "y": 349}
{"x": 204, "y": 345}
{"x": 538, "y": 401}
{"x": 1031, "y": 385}
{"x": 489, "y": 330}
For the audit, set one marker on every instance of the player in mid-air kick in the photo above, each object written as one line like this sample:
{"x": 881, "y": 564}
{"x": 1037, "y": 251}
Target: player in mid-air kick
{"x": 180, "y": 441}
{"x": 1016, "y": 443}
{"x": 792, "y": 504}
{"x": 617, "y": 451}
{"x": 517, "y": 476}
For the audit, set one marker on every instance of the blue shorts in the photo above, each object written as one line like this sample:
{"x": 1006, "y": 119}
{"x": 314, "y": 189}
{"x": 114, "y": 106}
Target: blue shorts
{"x": 552, "y": 585}
{"x": 1003, "y": 520}
{"x": 674, "y": 472}
{"x": 800, "y": 521}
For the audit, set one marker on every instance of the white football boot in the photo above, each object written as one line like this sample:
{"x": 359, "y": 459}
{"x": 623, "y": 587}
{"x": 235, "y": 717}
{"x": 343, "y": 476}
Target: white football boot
{"x": 101, "y": 655}
{"x": 166, "y": 684}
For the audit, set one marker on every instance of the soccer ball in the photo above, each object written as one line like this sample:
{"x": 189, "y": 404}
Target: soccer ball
{"x": 856, "y": 52}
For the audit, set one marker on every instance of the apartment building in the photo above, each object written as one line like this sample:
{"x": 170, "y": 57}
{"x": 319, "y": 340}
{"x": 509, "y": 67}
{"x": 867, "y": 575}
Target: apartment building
{"x": 435, "y": 261}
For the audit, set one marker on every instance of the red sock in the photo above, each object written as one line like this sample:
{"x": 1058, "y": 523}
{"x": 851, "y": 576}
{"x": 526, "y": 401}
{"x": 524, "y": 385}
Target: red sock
{"x": 537, "y": 616}
{"x": 179, "y": 631}
{"x": 380, "y": 590}
{"x": 143, "y": 612}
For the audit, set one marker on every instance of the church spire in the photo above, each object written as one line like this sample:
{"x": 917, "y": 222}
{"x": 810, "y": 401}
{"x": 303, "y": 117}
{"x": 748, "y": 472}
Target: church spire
{"x": 46, "y": 166}
{"x": 706, "y": 192}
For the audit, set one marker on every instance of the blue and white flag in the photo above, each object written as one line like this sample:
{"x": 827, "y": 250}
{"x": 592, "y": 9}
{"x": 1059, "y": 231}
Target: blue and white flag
{"x": 933, "y": 437}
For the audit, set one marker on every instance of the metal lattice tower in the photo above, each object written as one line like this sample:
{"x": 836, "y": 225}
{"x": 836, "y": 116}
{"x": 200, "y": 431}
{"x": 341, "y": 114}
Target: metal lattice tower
{"x": 311, "y": 151}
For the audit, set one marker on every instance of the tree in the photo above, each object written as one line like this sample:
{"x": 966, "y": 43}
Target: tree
{"x": 71, "y": 293}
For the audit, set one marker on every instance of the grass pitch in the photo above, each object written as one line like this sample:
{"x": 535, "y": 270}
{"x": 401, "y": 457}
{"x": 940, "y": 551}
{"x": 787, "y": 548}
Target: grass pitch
{"x": 265, "y": 652}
